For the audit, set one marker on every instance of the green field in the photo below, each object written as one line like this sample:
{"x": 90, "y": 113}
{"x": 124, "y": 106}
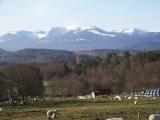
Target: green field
{"x": 83, "y": 110}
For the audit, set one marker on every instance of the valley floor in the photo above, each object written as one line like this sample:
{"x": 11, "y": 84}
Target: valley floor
{"x": 93, "y": 111}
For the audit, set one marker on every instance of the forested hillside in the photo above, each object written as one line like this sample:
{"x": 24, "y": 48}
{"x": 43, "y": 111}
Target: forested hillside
{"x": 38, "y": 56}
{"x": 122, "y": 73}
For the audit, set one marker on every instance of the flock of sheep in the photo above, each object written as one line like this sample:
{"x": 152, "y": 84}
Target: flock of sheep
{"x": 51, "y": 115}
{"x": 119, "y": 98}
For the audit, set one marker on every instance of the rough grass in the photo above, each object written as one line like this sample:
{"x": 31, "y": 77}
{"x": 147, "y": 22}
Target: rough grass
{"x": 83, "y": 110}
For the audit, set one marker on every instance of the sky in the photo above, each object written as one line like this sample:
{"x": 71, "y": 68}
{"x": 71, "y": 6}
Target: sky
{"x": 107, "y": 14}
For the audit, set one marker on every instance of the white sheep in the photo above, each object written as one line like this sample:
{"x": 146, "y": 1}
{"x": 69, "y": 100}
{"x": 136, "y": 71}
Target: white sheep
{"x": 118, "y": 98}
{"x": 135, "y": 102}
{"x": 154, "y": 117}
{"x": 85, "y": 97}
{"x": 51, "y": 114}
{"x": 0, "y": 109}
{"x": 91, "y": 96}
{"x": 136, "y": 98}
{"x": 129, "y": 98}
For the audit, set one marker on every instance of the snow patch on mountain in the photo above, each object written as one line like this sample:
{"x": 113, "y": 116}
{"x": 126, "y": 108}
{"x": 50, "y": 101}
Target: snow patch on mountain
{"x": 41, "y": 34}
{"x": 103, "y": 34}
{"x": 74, "y": 28}
{"x": 131, "y": 31}
{"x": 78, "y": 28}
{"x": 13, "y": 32}
{"x": 37, "y": 34}
{"x": 127, "y": 31}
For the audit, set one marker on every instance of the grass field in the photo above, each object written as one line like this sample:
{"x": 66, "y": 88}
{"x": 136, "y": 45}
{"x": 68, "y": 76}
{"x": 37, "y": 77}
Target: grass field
{"x": 83, "y": 110}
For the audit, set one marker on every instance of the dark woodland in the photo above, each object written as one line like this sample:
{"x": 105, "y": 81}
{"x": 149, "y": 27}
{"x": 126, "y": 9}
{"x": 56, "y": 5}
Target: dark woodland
{"x": 122, "y": 72}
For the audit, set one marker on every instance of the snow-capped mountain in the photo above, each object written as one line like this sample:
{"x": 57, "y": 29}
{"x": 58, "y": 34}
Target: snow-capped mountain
{"x": 40, "y": 34}
{"x": 75, "y": 29}
{"x": 132, "y": 31}
{"x": 77, "y": 37}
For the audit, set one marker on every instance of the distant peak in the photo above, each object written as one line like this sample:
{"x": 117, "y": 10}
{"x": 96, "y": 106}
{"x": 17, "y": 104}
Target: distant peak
{"x": 127, "y": 30}
{"x": 41, "y": 34}
{"x": 131, "y": 31}
{"x": 76, "y": 27}
{"x": 12, "y": 32}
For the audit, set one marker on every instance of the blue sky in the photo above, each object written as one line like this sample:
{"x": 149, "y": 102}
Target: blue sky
{"x": 107, "y": 14}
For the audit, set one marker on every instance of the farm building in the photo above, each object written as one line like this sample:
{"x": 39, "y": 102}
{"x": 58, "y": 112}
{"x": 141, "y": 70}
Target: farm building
{"x": 100, "y": 92}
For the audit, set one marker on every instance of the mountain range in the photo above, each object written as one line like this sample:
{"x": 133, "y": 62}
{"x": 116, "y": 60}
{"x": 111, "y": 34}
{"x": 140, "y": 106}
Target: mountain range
{"x": 79, "y": 38}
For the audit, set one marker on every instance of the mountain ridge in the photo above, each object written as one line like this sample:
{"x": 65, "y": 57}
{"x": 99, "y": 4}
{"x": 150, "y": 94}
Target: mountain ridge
{"x": 49, "y": 55}
{"x": 77, "y": 38}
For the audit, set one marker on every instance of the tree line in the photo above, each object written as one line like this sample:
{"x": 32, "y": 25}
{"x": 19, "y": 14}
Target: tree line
{"x": 21, "y": 81}
{"x": 122, "y": 72}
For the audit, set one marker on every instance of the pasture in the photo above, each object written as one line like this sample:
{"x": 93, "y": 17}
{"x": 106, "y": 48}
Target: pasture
{"x": 97, "y": 109}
